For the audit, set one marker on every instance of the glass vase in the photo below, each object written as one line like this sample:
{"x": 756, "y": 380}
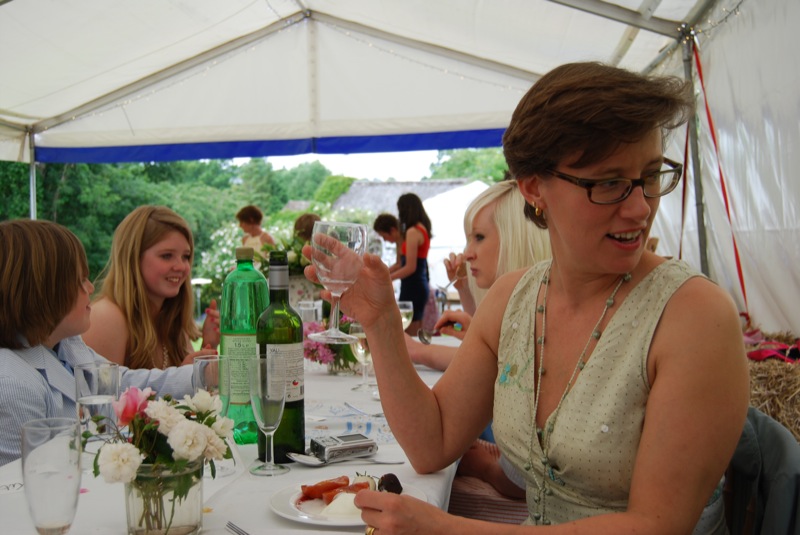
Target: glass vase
{"x": 162, "y": 502}
{"x": 341, "y": 368}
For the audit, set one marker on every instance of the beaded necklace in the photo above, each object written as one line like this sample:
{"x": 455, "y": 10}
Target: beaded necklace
{"x": 543, "y": 486}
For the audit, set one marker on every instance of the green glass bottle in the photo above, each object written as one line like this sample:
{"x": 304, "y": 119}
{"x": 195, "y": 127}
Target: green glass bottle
{"x": 245, "y": 295}
{"x": 280, "y": 330}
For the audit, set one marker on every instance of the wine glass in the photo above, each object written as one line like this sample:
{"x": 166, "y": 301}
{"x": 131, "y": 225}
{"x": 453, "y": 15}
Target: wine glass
{"x": 96, "y": 387}
{"x": 267, "y": 396}
{"x": 51, "y": 472}
{"x": 336, "y": 269}
{"x": 360, "y": 350}
{"x": 406, "y": 312}
{"x": 212, "y": 374}
{"x": 461, "y": 273}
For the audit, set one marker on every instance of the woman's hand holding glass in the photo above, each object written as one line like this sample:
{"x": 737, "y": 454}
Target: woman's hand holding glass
{"x": 336, "y": 253}
{"x": 51, "y": 472}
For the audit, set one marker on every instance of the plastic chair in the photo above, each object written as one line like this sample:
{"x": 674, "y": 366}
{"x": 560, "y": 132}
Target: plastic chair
{"x": 762, "y": 486}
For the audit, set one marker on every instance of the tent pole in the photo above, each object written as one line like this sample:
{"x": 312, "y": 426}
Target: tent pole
{"x": 688, "y": 44}
{"x": 32, "y": 174}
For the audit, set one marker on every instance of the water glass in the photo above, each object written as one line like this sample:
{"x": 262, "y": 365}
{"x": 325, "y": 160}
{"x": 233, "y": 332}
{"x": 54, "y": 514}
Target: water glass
{"x": 212, "y": 374}
{"x": 51, "y": 472}
{"x": 97, "y": 387}
{"x": 268, "y": 396}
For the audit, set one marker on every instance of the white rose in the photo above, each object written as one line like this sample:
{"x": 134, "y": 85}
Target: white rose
{"x": 203, "y": 402}
{"x": 291, "y": 257}
{"x": 223, "y": 427}
{"x": 188, "y": 440}
{"x": 216, "y": 447}
{"x": 167, "y": 415}
{"x": 119, "y": 462}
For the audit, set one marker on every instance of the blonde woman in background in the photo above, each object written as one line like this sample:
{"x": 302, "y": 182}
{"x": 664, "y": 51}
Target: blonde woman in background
{"x": 499, "y": 240}
{"x": 143, "y": 316}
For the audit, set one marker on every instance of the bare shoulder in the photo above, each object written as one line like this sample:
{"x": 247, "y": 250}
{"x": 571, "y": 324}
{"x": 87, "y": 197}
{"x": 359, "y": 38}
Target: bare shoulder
{"x": 701, "y": 321}
{"x": 108, "y": 331}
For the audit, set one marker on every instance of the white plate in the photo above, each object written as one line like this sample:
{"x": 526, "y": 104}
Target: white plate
{"x": 284, "y": 503}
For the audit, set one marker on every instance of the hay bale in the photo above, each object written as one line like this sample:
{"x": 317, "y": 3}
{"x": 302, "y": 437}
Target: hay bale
{"x": 775, "y": 390}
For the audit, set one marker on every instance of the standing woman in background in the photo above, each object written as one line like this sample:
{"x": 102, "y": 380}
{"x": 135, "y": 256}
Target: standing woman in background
{"x": 144, "y": 314}
{"x": 250, "y": 218}
{"x": 415, "y": 225}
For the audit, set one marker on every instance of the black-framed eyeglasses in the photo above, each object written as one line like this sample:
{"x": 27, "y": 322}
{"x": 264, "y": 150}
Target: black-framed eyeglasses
{"x": 614, "y": 190}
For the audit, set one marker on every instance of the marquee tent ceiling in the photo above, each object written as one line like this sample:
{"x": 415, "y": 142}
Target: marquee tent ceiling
{"x": 105, "y": 81}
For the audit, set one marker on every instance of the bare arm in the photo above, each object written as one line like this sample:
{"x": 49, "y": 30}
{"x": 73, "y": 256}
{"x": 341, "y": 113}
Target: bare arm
{"x": 433, "y": 356}
{"x": 108, "y": 332}
{"x": 413, "y": 241}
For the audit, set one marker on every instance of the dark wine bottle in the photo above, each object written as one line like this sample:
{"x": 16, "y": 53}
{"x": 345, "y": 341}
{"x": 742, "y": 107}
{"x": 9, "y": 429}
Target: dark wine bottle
{"x": 280, "y": 331}
{"x": 245, "y": 295}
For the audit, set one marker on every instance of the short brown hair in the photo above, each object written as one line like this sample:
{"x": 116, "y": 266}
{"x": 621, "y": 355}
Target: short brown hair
{"x": 304, "y": 226}
{"x": 589, "y": 109}
{"x": 42, "y": 268}
{"x": 385, "y": 223}
{"x": 250, "y": 214}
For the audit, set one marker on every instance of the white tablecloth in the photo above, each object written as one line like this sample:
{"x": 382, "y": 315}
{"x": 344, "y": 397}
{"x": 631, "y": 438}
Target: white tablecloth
{"x": 242, "y": 497}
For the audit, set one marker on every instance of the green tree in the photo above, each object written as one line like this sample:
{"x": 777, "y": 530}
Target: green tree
{"x": 487, "y": 165}
{"x": 302, "y": 181}
{"x": 332, "y": 188}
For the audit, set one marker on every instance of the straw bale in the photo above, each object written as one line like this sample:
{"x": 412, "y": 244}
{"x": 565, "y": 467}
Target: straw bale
{"x": 775, "y": 390}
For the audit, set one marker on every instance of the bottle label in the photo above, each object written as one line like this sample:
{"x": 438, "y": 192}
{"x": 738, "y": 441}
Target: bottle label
{"x": 240, "y": 348}
{"x": 292, "y": 355}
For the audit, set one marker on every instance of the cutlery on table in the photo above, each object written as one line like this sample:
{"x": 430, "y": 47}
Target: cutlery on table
{"x": 365, "y": 413}
{"x": 233, "y": 528}
{"x": 310, "y": 460}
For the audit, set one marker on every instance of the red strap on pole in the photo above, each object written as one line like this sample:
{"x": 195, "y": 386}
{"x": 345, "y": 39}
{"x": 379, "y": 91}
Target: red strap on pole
{"x": 719, "y": 167}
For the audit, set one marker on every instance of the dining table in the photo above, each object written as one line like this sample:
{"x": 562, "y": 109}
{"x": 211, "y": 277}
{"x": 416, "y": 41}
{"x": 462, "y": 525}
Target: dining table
{"x": 257, "y": 504}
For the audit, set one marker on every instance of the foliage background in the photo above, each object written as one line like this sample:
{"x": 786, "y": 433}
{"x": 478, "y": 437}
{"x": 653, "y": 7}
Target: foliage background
{"x": 92, "y": 199}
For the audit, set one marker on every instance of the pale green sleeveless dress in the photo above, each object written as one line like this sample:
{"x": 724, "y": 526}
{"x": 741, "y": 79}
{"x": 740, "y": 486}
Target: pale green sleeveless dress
{"x": 596, "y": 434}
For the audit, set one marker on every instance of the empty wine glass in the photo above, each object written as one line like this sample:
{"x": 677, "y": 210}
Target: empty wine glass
{"x": 461, "y": 273}
{"x": 267, "y": 396}
{"x": 51, "y": 472}
{"x": 212, "y": 374}
{"x": 406, "y": 312}
{"x": 336, "y": 269}
{"x": 97, "y": 387}
{"x": 360, "y": 350}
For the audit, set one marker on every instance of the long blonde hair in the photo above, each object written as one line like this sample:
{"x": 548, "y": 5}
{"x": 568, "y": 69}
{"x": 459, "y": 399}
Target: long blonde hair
{"x": 522, "y": 243}
{"x": 122, "y": 284}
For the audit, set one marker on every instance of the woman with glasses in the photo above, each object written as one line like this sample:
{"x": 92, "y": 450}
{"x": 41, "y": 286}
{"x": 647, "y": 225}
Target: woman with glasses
{"x": 616, "y": 379}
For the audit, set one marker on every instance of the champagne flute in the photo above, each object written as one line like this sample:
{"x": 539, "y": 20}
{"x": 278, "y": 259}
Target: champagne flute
{"x": 51, "y": 472}
{"x": 336, "y": 269}
{"x": 97, "y": 387}
{"x": 212, "y": 374}
{"x": 406, "y": 312}
{"x": 268, "y": 396}
{"x": 360, "y": 350}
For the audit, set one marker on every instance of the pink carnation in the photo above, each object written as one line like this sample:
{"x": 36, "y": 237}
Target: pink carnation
{"x": 132, "y": 402}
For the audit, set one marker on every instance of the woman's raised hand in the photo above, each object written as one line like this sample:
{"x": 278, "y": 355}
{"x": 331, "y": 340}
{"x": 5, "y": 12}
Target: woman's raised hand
{"x": 371, "y": 295}
{"x": 211, "y": 326}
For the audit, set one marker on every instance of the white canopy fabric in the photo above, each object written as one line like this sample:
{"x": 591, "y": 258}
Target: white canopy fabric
{"x": 158, "y": 80}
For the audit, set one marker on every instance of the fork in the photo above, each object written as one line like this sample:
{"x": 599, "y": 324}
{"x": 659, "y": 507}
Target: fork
{"x": 233, "y": 528}
{"x": 365, "y": 413}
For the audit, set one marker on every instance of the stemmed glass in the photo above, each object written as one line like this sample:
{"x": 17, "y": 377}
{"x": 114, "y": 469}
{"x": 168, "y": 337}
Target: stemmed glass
{"x": 51, "y": 472}
{"x": 212, "y": 374}
{"x": 97, "y": 387}
{"x": 406, "y": 312}
{"x": 360, "y": 350}
{"x": 267, "y": 396}
{"x": 336, "y": 269}
{"x": 461, "y": 273}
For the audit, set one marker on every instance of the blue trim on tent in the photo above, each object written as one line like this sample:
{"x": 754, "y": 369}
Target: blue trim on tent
{"x": 237, "y": 149}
